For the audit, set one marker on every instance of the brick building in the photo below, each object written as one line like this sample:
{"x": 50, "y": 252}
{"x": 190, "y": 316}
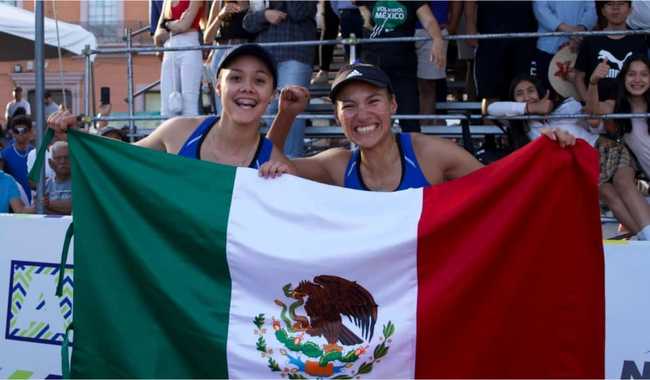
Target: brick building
{"x": 106, "y": 19}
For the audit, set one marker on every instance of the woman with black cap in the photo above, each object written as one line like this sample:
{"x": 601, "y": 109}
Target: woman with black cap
{"x": 364, "y": 103}
{"x": 247, "y": 81}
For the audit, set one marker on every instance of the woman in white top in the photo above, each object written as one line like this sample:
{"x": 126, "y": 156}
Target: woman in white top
{"x": 617, "y": 187}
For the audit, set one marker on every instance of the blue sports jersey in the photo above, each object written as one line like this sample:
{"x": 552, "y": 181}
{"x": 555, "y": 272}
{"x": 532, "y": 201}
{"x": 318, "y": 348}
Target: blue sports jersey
{"x": 192, "y": 146}
{"x": 8, "y": 191}
{"x": 16, "y": 166}
{"x": 412, "y": 176}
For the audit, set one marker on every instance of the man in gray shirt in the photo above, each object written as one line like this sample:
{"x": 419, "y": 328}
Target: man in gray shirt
{"x": 50, "y": 105}
{"x": 58, "y": 190}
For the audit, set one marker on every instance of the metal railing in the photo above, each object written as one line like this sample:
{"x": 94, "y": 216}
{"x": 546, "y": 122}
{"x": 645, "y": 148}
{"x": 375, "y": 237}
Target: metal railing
{"x": 464, "y": 118}
{"x": 466, "y": 130}
{"x": 112, "y": 33}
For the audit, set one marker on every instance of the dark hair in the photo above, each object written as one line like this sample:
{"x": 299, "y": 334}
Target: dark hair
{"x": 19, "y": 111}
{"x": 602, "y": 21}
{"x": 18, "y": 89}
{"x": 622, "y": 101}
{"x": 21, "y": 120}
{"x": 47, "y": 94}
{"x": 601, "y": 3}
{"x": 518, "y": 130}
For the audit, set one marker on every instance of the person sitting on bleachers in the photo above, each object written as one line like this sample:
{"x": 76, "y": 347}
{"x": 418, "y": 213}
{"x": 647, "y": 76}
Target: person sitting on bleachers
{"x": 617, "y": 187}
{"x": 560, "y": 16}
{"x": 633, "y": 96}
{"x": 615, "y": 50}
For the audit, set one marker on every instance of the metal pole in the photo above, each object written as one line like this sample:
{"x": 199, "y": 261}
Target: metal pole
{"x": 353, "y": 48}
{"x": 129, "y": 74}
{"x": 39, "y": 58}
{"x": 87, "y": 80}
{"x": 93, "y": 92}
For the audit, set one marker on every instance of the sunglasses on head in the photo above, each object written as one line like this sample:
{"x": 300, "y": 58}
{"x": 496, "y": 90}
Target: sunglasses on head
{"x": 20, "y": 130}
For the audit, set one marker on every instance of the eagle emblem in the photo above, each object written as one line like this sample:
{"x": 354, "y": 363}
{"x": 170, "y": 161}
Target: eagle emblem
{"x": 312, "y": 337}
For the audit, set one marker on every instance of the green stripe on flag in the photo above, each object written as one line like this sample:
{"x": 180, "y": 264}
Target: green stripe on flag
{"x": 130, "y": 250}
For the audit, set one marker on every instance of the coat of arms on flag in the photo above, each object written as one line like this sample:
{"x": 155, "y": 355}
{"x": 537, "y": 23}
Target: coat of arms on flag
{"x": 319, "y": 344}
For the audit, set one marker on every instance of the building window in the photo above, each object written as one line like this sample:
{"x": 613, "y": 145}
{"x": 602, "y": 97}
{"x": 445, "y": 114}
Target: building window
{"x": 104, "y": 12}
{"x": 152, "y": 101}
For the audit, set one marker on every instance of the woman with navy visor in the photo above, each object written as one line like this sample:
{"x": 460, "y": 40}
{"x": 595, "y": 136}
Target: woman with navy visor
{"x": 246, "y": 83}
{"x": 364, "y": 103}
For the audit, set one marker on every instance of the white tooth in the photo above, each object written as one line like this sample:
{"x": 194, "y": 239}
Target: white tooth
{"x": 366, "y": 129}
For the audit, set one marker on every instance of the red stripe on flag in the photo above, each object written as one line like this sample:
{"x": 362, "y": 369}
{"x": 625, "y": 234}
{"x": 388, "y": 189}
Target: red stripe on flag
{"x": 511, "y": 270}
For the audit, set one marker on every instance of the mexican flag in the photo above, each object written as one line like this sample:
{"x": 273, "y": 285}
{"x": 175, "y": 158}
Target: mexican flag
{"x": 186, "y": 268}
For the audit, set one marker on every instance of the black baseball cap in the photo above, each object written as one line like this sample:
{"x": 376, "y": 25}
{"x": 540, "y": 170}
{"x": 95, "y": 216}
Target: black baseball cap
{"x": 256, "y": 51}
{"x": 361, "y": 72}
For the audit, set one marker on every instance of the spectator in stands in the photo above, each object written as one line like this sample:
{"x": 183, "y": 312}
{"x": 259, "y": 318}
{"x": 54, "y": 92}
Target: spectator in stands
{"x": 15, "y": 155}
{"x": 615, "y": 49}
{"x": 633, "y": 96}
{"x": 180, "y": 76}
{"x": 639, "y": 17}
{"x": 10, "y": 196}
{"x": 58, "y": 190}
{"x": 364, "y": 103}
{"x": 330, "y": 30}
{"x": 465, "y": 52}
{"x": 155, "y": 10}
{"x": 50, "y": 105}
{"x": 498, "y": 61}
{"x": 617, "y": 187}
{"x": 398, "y": 59}
{"x": 31, "y": 157}
{"x": 247, "y": 83}
{"x": 351, "y": 22}
{"x": 285, "y": 21}
{"x": 225, "y": 27}
{"x": 560, "y": 16}
{"x": 429, "y": 75}
{"x": 16, "y": 104}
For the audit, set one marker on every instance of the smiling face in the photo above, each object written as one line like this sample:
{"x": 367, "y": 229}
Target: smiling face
{"x": 364, "y": 112}
{"x": 525, "y": 91}
{"x": 637, "y": 78}
{"x": 246, "y": 89}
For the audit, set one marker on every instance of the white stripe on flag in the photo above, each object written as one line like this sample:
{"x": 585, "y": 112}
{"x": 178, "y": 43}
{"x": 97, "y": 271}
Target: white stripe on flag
{"x": 289, "y": 230}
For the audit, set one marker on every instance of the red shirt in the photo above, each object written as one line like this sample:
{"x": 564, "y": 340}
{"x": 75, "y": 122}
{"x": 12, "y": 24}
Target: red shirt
{"x": 178, "y": 9}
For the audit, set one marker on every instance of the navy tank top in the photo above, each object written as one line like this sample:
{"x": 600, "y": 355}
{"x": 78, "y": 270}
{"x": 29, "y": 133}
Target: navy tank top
{"x": 192, "y": 146}
{"x": 412, "y": 176}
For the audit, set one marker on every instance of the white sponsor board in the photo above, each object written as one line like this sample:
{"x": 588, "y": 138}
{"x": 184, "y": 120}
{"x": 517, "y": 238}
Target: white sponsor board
{"x": 627, "y": 296}
{"x": 33, "y": 319}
